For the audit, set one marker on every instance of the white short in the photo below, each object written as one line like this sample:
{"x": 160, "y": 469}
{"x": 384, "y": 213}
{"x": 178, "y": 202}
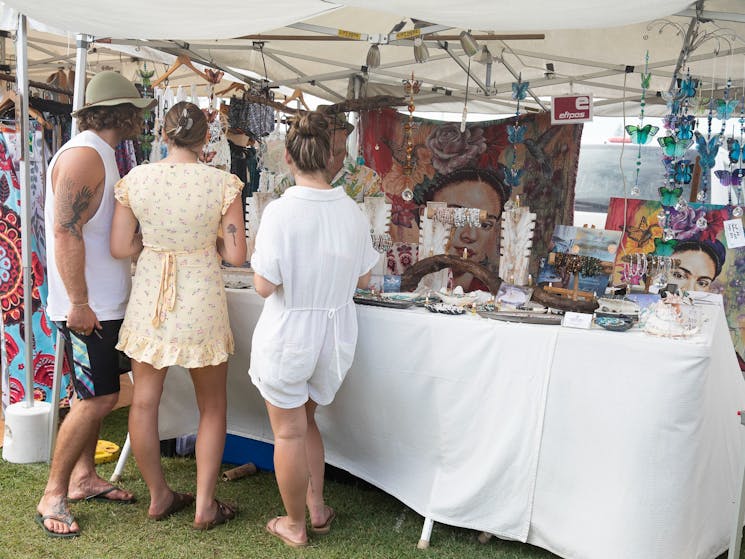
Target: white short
{"x": 287, "y": 377}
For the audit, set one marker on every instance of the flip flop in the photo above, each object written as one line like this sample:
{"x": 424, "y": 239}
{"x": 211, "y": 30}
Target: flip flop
{"x": 65, "y": 519}
{"x": 324, "y": 528}
{"x": 224, "y": 513}
{"x": 179, "y": 502}
{"x": 271, "y": 527}
{"x": 101, "y": 496}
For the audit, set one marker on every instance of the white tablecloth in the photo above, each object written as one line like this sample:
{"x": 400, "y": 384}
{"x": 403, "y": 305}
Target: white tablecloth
{"x": 592, "y": 444}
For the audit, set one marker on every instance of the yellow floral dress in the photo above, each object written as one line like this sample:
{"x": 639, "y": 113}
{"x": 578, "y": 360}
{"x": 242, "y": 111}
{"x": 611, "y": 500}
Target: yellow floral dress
{"x": 177, "y": 313}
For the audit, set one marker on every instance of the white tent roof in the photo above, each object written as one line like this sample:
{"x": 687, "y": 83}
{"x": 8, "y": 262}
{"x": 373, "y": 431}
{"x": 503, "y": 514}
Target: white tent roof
{"x": 312, "y": 56}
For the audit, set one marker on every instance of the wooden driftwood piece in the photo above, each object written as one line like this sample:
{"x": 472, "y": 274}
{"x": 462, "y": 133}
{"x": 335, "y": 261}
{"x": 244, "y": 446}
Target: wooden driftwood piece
{"x": 412, "y": 276}
{"x": 364, "y": 104}
{"x": 562, "y": 302}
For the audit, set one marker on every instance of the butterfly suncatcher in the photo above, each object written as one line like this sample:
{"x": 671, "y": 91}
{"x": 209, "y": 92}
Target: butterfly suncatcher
{"x": 735, "y": 150}
{"x": 707, "y": 150}
{"x": 674, "y": 147}
{"x": 730, "y": 178}
{"x": 687, "y": 87}
{"x": 725, "y": 109}
{"x": 683, "y": 171}
{"x": 669, "y": 196}
{"x": 641, "y": 135}
{"x": 516, "y": 134}
{"x": 519, "y": 90}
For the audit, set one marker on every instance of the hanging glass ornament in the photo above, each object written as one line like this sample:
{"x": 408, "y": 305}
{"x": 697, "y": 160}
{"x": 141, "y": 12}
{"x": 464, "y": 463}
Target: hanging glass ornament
{"x": 700, "y": 196}
{"x": 737, "y": 211}
{"x": 668, "y": 235}
{"x": 407, "y": 195}
{"x": 701, "y": 223}
{"x": 681, "y": 204}
{"x": 635, "y": 190}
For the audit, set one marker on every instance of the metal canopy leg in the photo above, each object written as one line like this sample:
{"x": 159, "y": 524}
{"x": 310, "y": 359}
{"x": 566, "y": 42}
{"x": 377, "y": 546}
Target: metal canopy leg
{"x": 426, "y": 533}
{"x": 123, "y": 455}
{"x": 59, "y": 355}
{"x": 736, "y": 539}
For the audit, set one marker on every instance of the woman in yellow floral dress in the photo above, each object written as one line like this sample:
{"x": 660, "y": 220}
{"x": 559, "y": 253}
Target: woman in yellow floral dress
{"x": 177, "y": 312}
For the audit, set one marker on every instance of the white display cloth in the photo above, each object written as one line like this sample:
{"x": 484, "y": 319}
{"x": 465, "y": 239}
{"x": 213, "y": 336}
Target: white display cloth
{"x": 593, "y": 444}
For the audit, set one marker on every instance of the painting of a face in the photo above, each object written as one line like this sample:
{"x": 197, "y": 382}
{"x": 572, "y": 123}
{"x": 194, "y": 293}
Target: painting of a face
{"x": 481, "y": 241}
{"x": 695, "y": 272}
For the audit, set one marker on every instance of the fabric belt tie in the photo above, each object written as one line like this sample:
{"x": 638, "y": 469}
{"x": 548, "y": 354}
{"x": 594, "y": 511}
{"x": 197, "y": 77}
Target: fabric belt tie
{"x": 331, "y": 314}
{"x": 166, "y": 300}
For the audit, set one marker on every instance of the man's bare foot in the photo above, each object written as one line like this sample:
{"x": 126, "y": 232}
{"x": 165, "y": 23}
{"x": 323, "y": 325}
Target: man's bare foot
{"x": 55, "y": 516}
{"x": 98, "y": 489}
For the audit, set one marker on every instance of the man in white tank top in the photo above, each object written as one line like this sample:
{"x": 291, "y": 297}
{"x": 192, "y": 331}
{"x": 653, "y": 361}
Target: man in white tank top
{"x": 88, "y": 290}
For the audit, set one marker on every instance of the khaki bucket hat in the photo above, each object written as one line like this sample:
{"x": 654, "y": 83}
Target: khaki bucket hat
{"x": 109, "y": 88}
{"x": 337, "y": 119}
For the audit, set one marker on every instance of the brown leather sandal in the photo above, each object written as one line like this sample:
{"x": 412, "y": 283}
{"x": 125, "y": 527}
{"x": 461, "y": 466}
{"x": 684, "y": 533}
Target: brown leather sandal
{"x": 224, "y": 513}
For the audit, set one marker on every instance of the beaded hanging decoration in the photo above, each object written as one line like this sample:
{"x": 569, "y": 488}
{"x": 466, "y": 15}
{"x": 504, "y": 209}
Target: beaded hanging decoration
{"x": 411, "y": 88}
{"x": 147, "y": 136}
{"x": 641, "y": 134}
{"x": 515, "y": 136}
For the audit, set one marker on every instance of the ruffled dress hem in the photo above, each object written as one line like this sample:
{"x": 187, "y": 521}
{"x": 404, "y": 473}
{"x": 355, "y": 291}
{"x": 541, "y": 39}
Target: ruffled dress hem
{"x": 159, "y": 355}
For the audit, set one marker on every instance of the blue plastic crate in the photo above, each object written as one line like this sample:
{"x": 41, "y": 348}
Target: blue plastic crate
{"x": 240, "y": 450}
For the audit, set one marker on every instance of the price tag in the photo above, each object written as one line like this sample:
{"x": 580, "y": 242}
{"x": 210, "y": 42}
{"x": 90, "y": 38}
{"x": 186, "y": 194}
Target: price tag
{"x": 577, "y": 320}
{"x": 734, "y": 234}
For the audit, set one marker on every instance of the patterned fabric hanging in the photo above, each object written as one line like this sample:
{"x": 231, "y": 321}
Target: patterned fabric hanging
{"x": 12, "y": 301}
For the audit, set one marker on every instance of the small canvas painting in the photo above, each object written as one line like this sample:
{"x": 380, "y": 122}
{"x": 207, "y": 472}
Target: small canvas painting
{"x": 582, "y": 241}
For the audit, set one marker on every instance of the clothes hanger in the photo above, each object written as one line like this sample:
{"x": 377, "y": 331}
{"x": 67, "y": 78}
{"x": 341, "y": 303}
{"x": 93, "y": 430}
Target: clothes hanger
{"x": 181, "y": 60}
{"x": 11, "y": 99}
{"x": 235, "y": 86}
{"x": 297, "y": 95}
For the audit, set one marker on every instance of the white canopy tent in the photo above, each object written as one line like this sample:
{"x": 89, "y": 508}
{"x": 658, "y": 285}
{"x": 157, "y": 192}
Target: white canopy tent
{"x": 582, "y": 46}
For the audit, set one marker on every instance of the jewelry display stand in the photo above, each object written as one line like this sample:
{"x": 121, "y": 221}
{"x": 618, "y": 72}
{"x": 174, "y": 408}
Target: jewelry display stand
{"x": 378, "y": 214}
{"x": 518, "y": 225}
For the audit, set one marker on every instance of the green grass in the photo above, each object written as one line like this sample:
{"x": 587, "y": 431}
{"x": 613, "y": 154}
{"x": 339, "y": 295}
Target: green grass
{"x": 370, "y": 524}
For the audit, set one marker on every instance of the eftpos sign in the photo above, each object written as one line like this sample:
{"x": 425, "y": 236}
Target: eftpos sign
{"x": 570, "y": 109}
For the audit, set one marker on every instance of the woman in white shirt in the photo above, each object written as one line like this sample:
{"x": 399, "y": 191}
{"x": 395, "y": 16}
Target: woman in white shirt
{"x": 313, "y": 248}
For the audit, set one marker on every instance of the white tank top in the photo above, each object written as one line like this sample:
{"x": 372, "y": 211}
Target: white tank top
{"x": 108, "y": 278}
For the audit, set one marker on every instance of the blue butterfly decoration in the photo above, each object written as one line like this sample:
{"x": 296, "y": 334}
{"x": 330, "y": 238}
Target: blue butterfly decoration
{"x": 684, "y": 131}
{"x": 641, "y": 135}
{"x": 683, "y": 172}
{"x": 726, "y": 108}
{"x": 669, "y": 196}
{"x": 736, "y": 151}
{"x": 688, "y": 87}
{"x": 512, "y": 177}
{"x": 674, "y": 147}
{"x": 707, "y": 151}
{"x": 730, "y": 178}
{"x": 673, "y": 101}
{"x": 519, "y": 90}
{"x": 516, "y": 134}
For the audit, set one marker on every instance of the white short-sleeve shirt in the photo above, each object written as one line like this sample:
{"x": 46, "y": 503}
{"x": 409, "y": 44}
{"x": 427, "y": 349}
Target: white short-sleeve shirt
{"x": 314, "y": 244}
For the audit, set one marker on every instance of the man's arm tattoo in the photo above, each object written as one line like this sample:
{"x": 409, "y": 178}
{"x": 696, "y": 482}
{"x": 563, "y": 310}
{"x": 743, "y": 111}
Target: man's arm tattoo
{"x": 73, "y": 206}
{"x": 232, "y": 230}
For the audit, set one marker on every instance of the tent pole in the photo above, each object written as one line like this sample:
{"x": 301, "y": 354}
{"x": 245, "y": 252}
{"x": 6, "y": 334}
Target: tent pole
{"x": 23, "y": 176}
{"x": 78, "y": 99}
